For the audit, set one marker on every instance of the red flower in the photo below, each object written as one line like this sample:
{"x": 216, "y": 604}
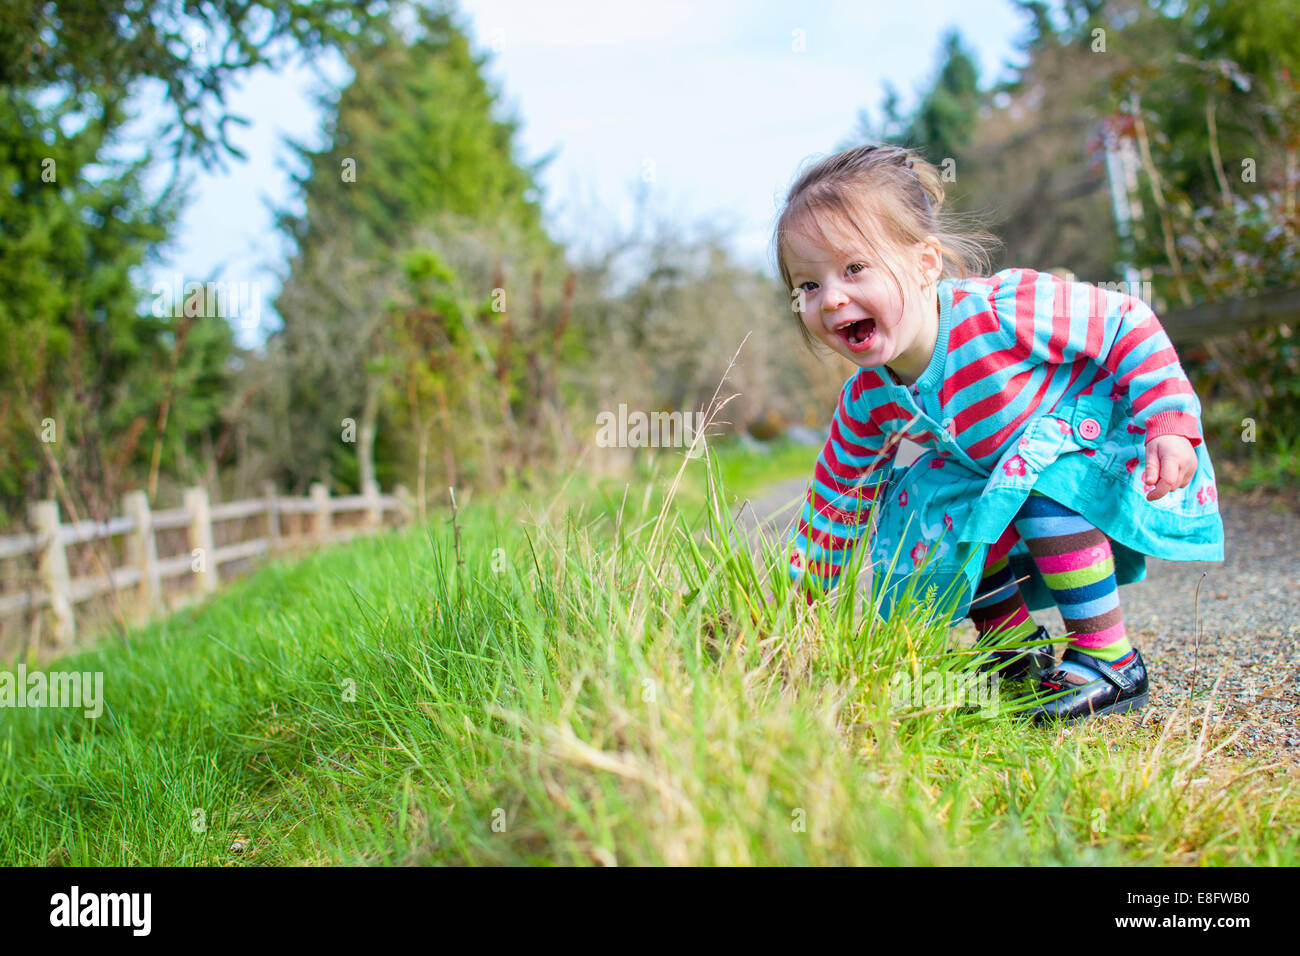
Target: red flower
{"x": 947, "y": 521}
{"x": 1015, "y": 465}
{"x": 1207, "y": 494}
{"x": 1131, "y": 465}
{"x": 1090, "y": 452}
{"x": 1134, "y": 430}
{"x": 1064, "y": 426}
{"x": 936, "y": 462}
{"x": 902, "y": 498}
{"x": 918, "y": 553}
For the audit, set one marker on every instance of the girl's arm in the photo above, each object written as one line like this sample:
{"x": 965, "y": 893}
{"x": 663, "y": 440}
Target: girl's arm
{"x": 851, "y": 469}
{"x": 1071, "y": 320}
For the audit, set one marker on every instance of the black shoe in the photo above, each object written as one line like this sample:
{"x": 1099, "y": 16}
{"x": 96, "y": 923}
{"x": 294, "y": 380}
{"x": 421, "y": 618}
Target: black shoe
{"x": 1021, "y": 662}
{"x": 1086, "y": 686}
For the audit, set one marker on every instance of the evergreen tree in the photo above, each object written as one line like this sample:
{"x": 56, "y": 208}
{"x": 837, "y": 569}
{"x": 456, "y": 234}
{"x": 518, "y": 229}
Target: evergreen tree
{"x": 93, "y": 49}
{"x": 942, "y": 124}
{"x": 70, "y": 331}
{"x": 949, "y": 112}
{"x": 412, "y": 149}
{"x": 99, "y": 392}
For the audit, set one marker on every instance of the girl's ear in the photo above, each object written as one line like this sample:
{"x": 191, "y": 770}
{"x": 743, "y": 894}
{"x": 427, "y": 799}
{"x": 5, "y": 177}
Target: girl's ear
{"x": 930, "y": 259}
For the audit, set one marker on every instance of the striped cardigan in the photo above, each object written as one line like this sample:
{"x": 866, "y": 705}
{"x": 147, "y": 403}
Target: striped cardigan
{"x": 1010, "y": 347}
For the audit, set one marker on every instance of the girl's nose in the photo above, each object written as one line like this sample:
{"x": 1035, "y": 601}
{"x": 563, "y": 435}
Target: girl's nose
{"x": 833, "y": 298}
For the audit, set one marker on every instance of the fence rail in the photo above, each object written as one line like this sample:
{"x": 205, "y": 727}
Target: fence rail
{"x": 142, "y": 574}
{"x": 1189, "y": 325}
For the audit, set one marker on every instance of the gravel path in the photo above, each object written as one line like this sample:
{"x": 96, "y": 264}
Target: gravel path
{"x": 1249, "y": 623}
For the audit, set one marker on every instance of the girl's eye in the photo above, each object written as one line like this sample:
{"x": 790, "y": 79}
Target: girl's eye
{"x": 803, "y": 285}
{"x": 856, "y": 267}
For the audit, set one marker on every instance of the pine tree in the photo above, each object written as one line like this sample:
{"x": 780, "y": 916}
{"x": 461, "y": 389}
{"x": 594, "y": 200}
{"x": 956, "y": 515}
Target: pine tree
{"x": 949, "y": 112}
{"x": 99, "y": 392}
{"x": 413, "y": 150}
{"x": 941, "y": 125}
{"x": 70, "y": 332}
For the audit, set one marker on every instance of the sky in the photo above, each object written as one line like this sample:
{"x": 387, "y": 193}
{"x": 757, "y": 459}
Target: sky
{"x": 710, "y": 108}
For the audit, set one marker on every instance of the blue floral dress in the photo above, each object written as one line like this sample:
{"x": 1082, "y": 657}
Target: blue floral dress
{"x": 939, "y": 520}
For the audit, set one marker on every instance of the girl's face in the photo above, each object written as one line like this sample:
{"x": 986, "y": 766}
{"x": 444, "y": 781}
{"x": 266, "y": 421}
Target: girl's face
{"x": 851, "y": 303}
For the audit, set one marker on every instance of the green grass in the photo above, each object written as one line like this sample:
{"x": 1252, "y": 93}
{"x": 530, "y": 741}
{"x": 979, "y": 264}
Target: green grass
{"x": 1277, "y": 471}
{"x": 600, "y": 681}
{"x": 1263, "y": 457}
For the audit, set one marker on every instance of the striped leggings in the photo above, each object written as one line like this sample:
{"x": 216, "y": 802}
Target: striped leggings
{"x": 1078, "y": 566}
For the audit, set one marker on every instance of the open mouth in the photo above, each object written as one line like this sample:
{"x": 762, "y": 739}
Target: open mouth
{"x": 860, "y": 335}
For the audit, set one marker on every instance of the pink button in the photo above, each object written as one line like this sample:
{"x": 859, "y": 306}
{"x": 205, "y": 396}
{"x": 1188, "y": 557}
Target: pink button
{"x": 1089, "y": 429}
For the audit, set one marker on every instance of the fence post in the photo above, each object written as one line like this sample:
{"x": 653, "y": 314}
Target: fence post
{"x": 374, "y": 507}
{"x": 54, "y": 570}
{"x": 272, "y": 516}
{"x": 196, "y": 503}
{"x": 405, "y": 508}
{"x": 321, "y": 516}
{"x": 142, "y": 553}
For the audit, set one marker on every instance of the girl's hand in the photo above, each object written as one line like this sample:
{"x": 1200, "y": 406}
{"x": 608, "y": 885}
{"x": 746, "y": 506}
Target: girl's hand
{"x": 1171, "y": 463}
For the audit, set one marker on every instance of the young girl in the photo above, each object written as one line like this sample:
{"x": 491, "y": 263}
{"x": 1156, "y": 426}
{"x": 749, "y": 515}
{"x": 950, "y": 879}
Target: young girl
{"x": 1061, "y": 439}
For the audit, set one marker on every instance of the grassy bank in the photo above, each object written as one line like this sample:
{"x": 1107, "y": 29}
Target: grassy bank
{"x": 593, "y": 678}
{"x": 1251, "y": 456}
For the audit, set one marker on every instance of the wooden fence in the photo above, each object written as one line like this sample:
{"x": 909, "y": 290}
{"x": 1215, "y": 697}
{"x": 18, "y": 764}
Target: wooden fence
{"x": 1187, "y": 326}
{"x": 125, "y": 564}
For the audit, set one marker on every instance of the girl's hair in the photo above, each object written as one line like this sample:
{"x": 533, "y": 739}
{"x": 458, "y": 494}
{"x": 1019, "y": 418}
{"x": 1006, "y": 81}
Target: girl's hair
{"x": 892, "y": 198}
